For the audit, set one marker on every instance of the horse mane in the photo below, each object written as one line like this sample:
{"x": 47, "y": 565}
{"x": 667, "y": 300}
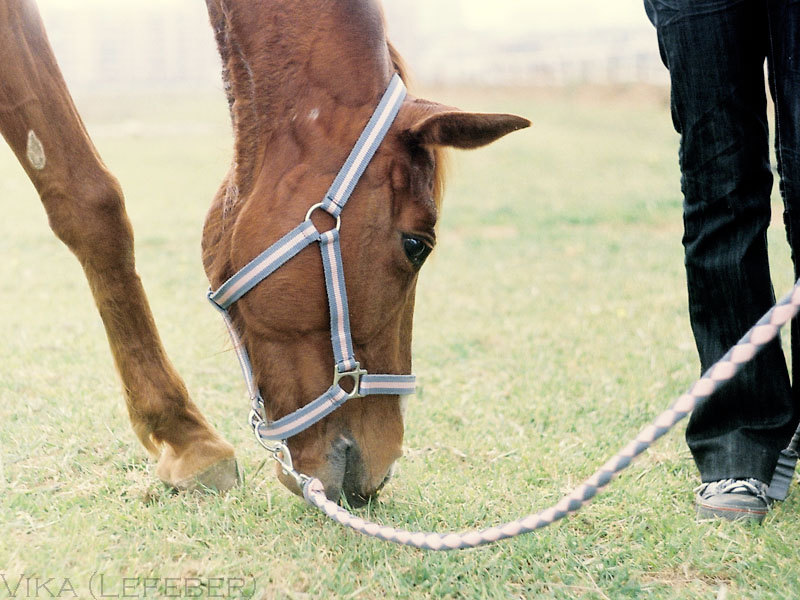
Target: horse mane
{"x": 240, "y": 92}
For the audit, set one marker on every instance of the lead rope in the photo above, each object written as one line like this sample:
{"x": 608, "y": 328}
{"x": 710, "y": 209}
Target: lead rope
{"x": 753, "y": 341}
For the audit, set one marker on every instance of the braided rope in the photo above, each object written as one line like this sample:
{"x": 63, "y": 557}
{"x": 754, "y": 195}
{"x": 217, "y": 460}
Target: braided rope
{"x": 753, "y": 341}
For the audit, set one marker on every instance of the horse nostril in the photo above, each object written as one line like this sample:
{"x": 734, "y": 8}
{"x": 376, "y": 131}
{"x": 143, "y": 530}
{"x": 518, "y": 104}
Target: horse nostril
{"x": 354, "y": 478}
{"x": 333, "y": 473}
{"x": 346, "y": 474}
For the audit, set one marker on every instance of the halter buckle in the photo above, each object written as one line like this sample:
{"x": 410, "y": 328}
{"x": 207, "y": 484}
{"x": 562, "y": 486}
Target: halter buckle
{"x": 355, "y": 374}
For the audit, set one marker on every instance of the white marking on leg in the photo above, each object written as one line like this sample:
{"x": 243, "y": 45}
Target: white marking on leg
{"x": 35, "y": 152}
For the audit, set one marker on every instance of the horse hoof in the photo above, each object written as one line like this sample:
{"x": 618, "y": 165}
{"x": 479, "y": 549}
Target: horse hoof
{"x": 203, "y": 466}
{"x": 219, "y": 477}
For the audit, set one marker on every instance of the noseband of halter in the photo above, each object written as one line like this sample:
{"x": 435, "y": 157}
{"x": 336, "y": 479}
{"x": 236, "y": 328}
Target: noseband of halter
{"x": 273, "y": 435}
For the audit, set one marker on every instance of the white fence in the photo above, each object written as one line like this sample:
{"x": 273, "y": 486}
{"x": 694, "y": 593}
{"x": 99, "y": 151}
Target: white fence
{"x": 117, "y": 45}
{"x": 604, "y": 56}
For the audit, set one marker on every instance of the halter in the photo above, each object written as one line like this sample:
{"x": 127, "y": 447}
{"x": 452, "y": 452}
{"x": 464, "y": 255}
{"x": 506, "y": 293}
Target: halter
{"x": 273, "y": 435}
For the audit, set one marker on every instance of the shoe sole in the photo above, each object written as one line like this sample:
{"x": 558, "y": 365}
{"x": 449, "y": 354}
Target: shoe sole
{"x": 707, "y": 512}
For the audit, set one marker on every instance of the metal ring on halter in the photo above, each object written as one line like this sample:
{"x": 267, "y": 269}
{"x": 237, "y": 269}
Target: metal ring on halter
{"x": 279, "y": 451}
{"x": 281, "y": 454}
{"x": 322, "y": 206}
{"x": 284, "y": 458}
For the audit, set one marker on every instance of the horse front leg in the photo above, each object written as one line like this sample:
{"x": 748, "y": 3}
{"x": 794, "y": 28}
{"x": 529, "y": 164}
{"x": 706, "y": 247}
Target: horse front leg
{"x": 86, "y": 210}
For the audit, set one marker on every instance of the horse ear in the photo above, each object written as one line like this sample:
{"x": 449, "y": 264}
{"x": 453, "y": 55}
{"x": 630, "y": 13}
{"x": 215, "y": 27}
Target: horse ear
{"x": 444, "y": 126}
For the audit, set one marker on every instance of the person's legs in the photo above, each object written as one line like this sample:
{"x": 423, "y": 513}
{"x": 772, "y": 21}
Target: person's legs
{"x": 715, "y": 53}
{"x": 783, "y": 58}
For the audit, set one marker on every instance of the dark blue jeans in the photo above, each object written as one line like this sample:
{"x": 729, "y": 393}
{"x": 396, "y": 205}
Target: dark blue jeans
{"x": 715, "y": 51}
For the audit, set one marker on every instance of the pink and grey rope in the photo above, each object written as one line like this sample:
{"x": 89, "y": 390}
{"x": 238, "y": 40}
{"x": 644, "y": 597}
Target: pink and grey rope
{"x": 761, "y": 334}
{"x": 272, "y": 435}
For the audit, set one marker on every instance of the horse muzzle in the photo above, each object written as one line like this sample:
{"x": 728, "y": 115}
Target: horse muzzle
{"x": 344, "y": 474}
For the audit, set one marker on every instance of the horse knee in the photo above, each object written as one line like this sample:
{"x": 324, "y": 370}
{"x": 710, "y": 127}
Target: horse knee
{"x": 89, "y": 217}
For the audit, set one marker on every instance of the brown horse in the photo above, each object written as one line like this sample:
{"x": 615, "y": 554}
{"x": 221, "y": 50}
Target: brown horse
{"x": 303, "y": 77}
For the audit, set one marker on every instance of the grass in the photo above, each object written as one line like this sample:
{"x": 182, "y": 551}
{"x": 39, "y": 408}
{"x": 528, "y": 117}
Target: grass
{"x": 550, "y": 328}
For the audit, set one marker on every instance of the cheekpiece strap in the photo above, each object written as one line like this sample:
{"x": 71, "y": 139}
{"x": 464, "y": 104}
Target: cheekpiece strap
{"x": 366, "y": 146}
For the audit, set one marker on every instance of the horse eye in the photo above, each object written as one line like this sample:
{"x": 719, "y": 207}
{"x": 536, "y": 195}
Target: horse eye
{"x": 416, "y": 249}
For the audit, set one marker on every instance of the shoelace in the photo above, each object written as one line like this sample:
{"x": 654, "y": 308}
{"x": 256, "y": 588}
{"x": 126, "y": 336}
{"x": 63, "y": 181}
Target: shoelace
{"x": 751, "y": 487}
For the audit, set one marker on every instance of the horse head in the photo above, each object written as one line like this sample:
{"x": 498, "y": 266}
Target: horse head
{"x": 304, "y": 78}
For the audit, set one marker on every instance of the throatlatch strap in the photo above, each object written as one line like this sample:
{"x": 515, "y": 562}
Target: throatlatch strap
{"x": 241, "y": 353}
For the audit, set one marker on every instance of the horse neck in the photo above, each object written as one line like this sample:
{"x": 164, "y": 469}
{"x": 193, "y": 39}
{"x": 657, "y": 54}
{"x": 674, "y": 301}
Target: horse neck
{"x": 285, "y": 55}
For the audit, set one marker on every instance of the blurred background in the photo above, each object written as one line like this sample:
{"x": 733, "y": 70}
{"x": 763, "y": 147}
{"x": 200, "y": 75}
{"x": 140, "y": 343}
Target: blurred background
{"x": 122, "y": 45}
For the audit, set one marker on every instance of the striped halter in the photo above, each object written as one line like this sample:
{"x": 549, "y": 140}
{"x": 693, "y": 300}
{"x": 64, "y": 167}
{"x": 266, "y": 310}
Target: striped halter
{"x": 273, "y": 435}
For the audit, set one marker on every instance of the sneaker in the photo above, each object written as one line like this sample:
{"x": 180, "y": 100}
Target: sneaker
{"x": 732, "y": 499}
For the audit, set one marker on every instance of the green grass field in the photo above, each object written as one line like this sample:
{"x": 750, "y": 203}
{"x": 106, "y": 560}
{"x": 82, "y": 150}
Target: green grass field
{"x": 550, "y": 328}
